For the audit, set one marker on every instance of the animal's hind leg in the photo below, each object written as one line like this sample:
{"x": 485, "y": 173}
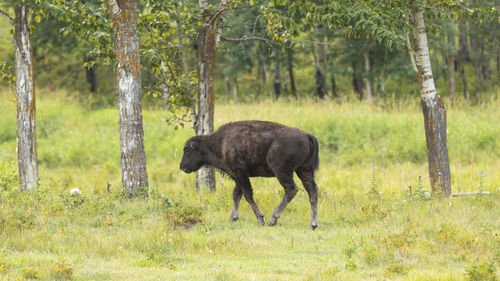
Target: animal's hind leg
{"x": 307, "y": 178}
{"x": 246, "y": 188}
{"x": 286, "y": 180}
{"x": 237, "y": 194}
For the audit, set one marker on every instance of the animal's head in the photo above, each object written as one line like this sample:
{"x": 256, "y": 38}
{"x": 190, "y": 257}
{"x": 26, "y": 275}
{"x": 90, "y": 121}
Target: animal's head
{"x": 193, "y": 157}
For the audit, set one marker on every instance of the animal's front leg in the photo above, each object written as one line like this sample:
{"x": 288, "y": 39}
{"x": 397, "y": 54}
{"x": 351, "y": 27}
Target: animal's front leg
{"x": 237, "y": 194}
{"x": 246, "y": 187}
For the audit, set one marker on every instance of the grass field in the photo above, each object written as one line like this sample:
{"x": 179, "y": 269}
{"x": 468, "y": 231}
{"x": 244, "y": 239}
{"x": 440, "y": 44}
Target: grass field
{"x": 369, "y": 228}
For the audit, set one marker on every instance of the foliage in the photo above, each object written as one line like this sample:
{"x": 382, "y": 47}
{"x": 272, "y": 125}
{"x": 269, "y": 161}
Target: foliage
{"x": 62, "y": 271}
{"x": 8, "y": 176}
{"x": 183, "y": 213}
{"x": 481, "y": 272}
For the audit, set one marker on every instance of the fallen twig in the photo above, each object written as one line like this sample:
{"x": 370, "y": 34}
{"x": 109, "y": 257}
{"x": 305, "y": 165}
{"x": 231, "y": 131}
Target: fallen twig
{"x": 472, "y": 193}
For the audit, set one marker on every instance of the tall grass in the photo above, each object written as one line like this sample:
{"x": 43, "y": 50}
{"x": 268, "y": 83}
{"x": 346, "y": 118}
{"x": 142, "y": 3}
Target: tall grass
{"x": 178, "y": 234}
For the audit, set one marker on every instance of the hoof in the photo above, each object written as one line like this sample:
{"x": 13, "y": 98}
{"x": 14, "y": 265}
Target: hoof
{"x": 313, "y": 226}
{"x": 273, "y": 221}
{"x": 233, "y": 218}
{"x": 260, "y": 221}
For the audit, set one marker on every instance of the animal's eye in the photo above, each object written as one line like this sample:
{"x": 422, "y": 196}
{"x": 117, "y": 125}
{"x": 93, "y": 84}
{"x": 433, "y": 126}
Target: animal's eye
{"x": 186, "y": 149}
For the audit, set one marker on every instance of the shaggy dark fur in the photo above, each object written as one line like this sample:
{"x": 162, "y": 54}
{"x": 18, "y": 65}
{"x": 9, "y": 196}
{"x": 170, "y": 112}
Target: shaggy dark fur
{"x": 258, "y": 149}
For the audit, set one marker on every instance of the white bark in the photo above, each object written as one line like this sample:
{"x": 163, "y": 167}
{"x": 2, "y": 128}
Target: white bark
{"x": 26, "y": 106}
{"x": 434, "y": 112}
{"x": 126, "y": 41}
{"x": 423, "y": 61}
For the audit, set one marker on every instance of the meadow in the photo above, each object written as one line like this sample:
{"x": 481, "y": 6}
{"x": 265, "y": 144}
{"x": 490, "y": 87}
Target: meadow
{"x": 370, "y": 228}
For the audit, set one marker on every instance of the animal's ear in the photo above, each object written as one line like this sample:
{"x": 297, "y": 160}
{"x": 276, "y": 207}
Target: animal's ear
{"x": 194, "y": 145}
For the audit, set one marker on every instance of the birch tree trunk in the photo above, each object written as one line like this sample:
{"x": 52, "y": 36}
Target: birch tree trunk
{"x": 433, "y": 110}
{"x": 205, "y": 176}
{"x": 235, "y": 90}
{"x": 26, "y": 108}
{"x": 123, "y": 14}
{"x": 318, "y": 50}
{"x": 368, "y": 82}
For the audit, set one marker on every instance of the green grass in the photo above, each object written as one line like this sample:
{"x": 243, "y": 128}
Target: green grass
{"x": 178, "y": 234}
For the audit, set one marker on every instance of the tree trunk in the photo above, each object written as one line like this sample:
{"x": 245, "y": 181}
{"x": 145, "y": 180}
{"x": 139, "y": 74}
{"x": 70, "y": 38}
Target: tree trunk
{"x": 26, "y": 106}
{"x": 123, "y": 14}
{"x": 381, "y": 78}
{"x": 356, "y": 82}
{"x": 235, "y": 89}
{"x": 334, "y": 85}
{"x": 463, "y": 55}
{"x": 290, "y": 73}
{"x": 368, "y": 83}
{"x": 434, "y": 112}
{"x": 91, "y": 76}
{"x": 318, "y": 51}
{"x": 277, "y": 75}
{"x": 205, "y": 176}
{"x": 451, "y": 66}
{"x": 227, "y": 85}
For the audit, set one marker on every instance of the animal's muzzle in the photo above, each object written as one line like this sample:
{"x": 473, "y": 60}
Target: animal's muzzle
{"x": 185, "y": 170}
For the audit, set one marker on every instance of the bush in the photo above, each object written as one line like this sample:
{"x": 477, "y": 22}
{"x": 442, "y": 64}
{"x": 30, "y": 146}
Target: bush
{"x": 8, "y": 176}
{"x": 183, "y": 214}
{"x": 482, "y": 272}
{"x": 61, "y": 271}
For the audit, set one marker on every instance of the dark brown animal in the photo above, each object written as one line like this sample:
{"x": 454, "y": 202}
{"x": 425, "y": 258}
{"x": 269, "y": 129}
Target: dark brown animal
{"x": 258, "y": 149}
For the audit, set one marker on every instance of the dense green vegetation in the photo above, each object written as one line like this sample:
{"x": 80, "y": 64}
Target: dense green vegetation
{"x": 178, "y": 234}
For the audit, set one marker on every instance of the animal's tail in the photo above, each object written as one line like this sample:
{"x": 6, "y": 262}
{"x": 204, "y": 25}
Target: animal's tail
{"x": 315, "y": 145}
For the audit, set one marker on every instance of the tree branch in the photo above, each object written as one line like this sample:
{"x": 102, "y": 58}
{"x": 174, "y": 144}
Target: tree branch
{"x": 113, "y": 7}
{"x": 410, "y": 52}
{"x": 248, "y": 38}
{"x": 7, "y": 16}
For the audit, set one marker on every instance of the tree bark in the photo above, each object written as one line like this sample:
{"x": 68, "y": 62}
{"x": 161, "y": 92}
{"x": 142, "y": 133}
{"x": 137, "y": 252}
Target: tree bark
{"x": 290, "y": 73}
{"x": 451, "y": 66}
{"x": 277, "y": 75}
{"x": 26, "y": 106}
{"x": 356, "y": 81}
{"x": 318, "y": 51}
{"x": 381, "y": 78}
{"x": 91, "y": 76}
{"x": 434, "y": 111}
{"x": 334, "y": 85}
{"x": 205, "y": 176}
{"x": 123, "y": 14}
{"x": 235, "y": 90}
{"x": 368, "y": 83}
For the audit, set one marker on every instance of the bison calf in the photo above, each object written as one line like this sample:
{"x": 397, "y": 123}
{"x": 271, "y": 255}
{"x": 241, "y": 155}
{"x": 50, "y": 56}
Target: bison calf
{"x": 258, "y": 149}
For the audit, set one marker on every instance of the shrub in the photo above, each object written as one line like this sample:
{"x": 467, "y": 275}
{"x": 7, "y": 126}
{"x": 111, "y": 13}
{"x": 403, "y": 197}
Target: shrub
{"x": 482, "y": 272}
{"x": 30, "y": 273}
{"x": 8, "y": 176}
{"x": 61, "y": 271}
{"x": 396, "y": 269}
{"x": 183, "y": 214}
